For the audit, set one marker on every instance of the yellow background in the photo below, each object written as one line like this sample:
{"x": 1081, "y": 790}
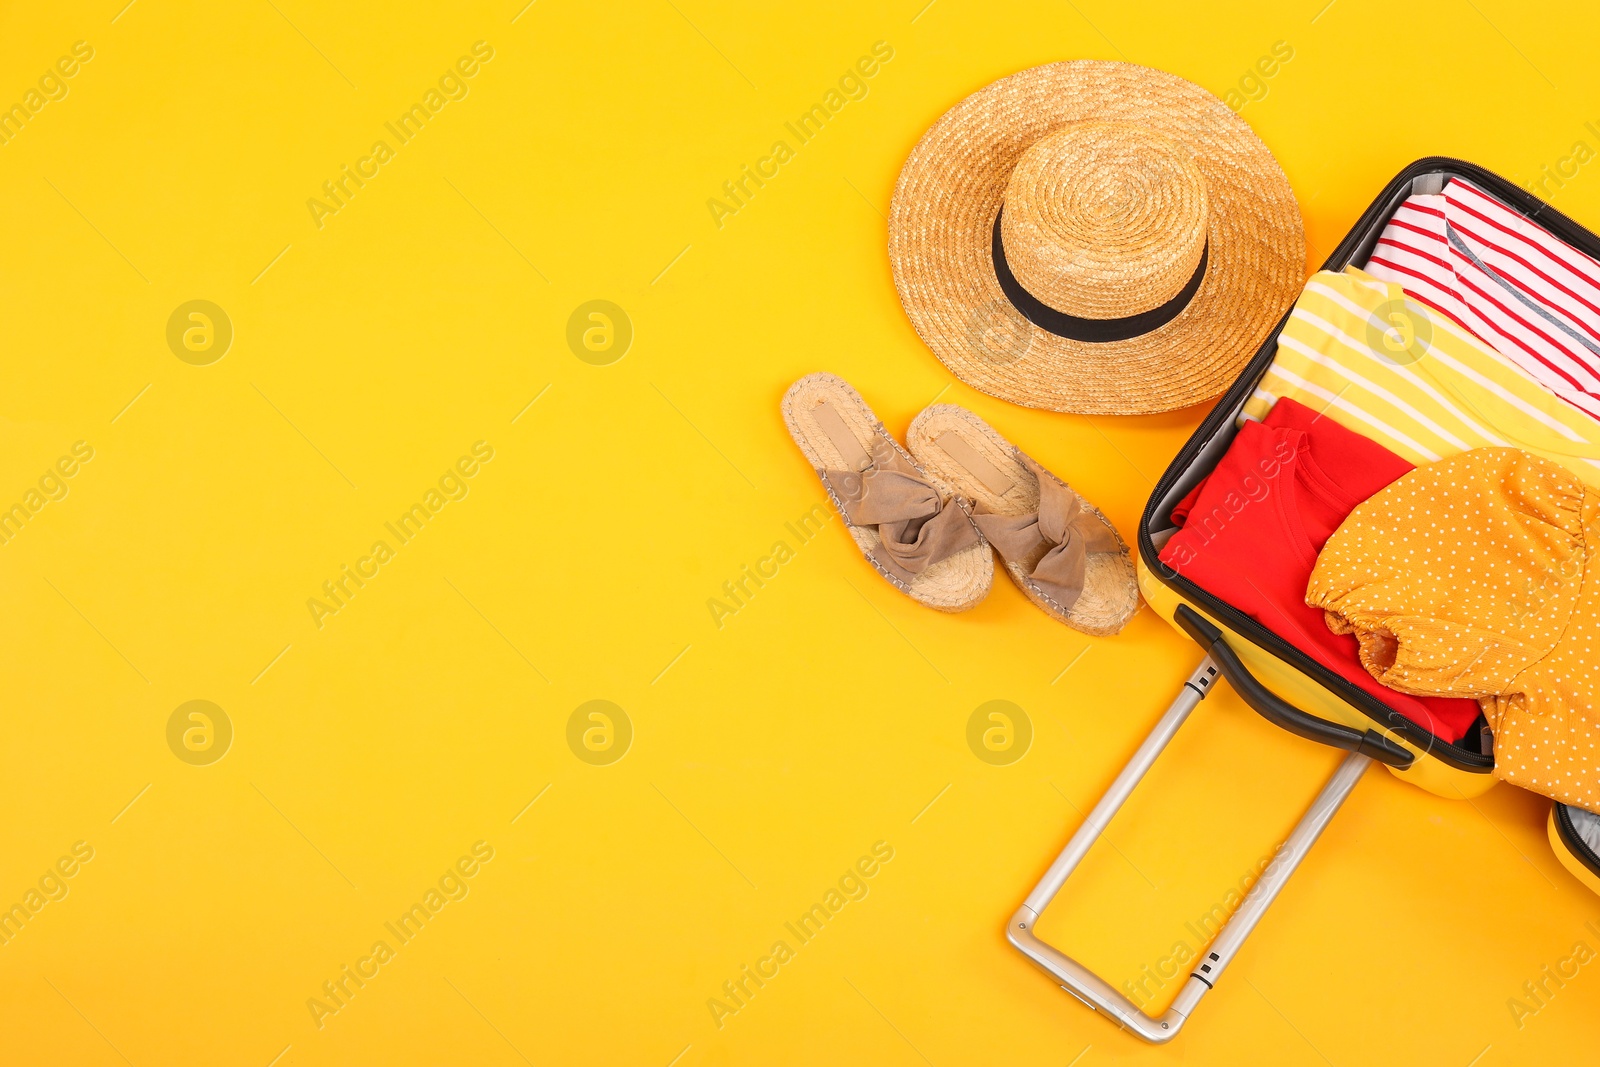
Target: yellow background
{"x": 769, "y": 753}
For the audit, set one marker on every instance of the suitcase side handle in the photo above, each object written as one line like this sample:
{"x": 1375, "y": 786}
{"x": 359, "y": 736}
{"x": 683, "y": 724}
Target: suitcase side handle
{"x": 1279, "y": 712}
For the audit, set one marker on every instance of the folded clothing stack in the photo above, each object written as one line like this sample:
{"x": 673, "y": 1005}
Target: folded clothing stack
{"x": 1470, "y": 349}
{"x": 1252, "y": 530}
{"x": 1514, "y": 285}
{"x": 1444, "y": 392}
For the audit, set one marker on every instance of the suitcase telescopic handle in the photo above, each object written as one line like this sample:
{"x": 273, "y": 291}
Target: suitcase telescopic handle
{"x": 1279, "y": 712}
{"x": 1096, "y": 992}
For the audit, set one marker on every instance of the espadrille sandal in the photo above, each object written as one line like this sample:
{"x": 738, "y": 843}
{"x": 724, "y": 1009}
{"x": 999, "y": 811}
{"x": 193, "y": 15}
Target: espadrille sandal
{"x": 1055, "y": 545}
{"x": 912, "y": 528}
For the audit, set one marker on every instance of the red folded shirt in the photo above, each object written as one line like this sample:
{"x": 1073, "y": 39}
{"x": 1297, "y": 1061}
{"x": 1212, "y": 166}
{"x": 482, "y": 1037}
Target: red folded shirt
{"x": 1251, "y": 532}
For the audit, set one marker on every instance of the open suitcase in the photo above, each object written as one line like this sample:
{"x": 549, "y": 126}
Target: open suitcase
{"x": 1280, "y": 682}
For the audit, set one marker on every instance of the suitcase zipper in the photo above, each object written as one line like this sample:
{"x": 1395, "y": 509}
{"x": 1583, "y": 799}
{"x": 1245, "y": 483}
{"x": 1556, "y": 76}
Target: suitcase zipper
{"x": 1575, "y": 844}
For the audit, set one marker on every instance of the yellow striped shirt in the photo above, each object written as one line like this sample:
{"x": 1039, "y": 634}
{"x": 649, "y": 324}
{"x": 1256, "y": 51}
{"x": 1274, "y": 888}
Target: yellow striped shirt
{"x": 1361, "y": 352}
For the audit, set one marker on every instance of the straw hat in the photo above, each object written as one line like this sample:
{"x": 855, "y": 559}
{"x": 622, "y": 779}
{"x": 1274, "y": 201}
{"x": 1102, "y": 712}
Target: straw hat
{"x": 1095, "y": 237}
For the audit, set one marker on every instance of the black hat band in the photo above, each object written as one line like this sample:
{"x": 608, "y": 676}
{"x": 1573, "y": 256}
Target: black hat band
{"x": 1076, "y": 328}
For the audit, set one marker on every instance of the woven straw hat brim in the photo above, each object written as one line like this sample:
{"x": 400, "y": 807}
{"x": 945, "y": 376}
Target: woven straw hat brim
{"x": 952, "y": 186}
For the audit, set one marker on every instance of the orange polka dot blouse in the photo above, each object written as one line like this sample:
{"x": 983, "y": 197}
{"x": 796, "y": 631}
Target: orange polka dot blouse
{"x": 1477, "y": 577}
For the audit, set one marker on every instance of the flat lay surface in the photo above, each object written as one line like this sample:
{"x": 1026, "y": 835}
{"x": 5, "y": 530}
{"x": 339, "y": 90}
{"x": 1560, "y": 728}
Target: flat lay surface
{"x": 426, "y": 644}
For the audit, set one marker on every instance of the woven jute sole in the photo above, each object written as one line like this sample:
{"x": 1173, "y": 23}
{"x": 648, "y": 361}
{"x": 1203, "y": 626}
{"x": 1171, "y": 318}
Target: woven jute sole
{"x": 1110, "y": 592}
{"x": 952, "y": 188}
{"x": 956, "y": 583}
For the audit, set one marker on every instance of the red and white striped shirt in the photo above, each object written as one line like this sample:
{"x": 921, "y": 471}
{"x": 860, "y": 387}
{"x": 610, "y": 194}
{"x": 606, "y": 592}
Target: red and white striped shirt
{"x": 1521, "y": 290}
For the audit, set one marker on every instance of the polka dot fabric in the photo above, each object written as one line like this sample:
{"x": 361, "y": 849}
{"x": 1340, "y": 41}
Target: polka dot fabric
{"x": 1476, "y": 577}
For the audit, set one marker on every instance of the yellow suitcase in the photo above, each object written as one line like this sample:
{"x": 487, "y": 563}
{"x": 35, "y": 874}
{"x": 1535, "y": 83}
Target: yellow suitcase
{"x": 1281, "y": 683}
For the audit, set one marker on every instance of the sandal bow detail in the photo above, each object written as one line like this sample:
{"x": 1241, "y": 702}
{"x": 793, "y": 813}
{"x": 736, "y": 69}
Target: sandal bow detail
{"x": 1052, "y": 545}
{"x": 918, "y": 528}
{"x": 1059, "y": 548}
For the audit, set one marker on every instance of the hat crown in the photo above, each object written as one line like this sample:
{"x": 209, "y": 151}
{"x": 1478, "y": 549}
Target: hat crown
{"x": 1104, "y": 220}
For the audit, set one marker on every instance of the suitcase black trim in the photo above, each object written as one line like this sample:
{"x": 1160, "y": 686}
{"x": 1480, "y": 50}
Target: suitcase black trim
{"x": 1575, "y": 844}
{"x": 1360, "y": 238}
